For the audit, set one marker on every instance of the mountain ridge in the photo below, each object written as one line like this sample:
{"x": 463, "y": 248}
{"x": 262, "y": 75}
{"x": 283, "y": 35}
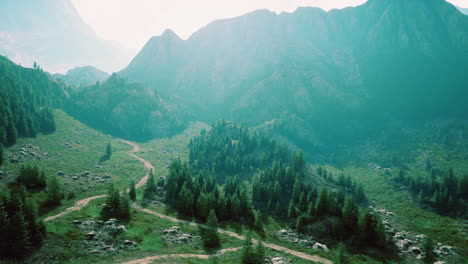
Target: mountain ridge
{"x": 320, "y": 65}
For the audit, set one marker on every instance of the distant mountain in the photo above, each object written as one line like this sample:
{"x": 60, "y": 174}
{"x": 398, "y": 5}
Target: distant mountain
{"x": 463, "y": 10}
{"x": 52, "y": 33}
{"x": 128, "y": 110}
{"x": 82, "y": 76}
{"x": 344, "y": 73}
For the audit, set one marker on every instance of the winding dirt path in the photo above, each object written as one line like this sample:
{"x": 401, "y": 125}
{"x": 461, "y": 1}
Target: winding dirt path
{"x": 298, "y": 254}
{"x": 148, "y": 165}
{"x": 82, "y": 203}
{"x": 148, "y": 260}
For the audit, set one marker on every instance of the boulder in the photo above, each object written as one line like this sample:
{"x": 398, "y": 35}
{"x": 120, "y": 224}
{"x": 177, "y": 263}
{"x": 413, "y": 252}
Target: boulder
{"x": 415, "y": 250}
{"x": 60, "y": 173}
{"x": 320, "y": 246}
{"x": 111, "y": 221}
{"x": 404, "y": 244}
{"x": 91, "y": 235}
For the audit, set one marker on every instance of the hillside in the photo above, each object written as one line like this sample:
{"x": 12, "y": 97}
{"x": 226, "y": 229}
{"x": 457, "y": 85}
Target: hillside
{"x": 82, "y": 76}
{"x": 26, "y": 96}
{"x": 128, "y": 110}
{"x": 357, "y": 69}
{"x": 463, "y": 10}
{"x": 53, "y": 34}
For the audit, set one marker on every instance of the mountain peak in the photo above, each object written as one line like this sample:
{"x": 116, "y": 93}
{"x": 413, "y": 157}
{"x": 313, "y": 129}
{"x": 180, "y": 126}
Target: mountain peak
{"x": 169, "y": 34}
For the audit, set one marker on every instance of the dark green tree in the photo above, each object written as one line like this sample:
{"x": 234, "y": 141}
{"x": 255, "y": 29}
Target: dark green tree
{"x": 248, "y": 254}
{"x": 150, "y": 187}
{"x": 428, "y": 248}
{"x": 54, "y": 192}
{"x": 1, "y": 154}
{"x": 132, "y": 192}
{"x": 211, "y": 234}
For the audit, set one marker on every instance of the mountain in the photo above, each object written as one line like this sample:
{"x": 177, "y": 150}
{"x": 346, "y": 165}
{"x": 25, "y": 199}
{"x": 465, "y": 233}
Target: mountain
{"x": 463, "y": 10}
{"x": 346, "y": 73}
{"x": 52, "y": 33}
{"x": 128, "y": 110}
{"x": 26, "y": 96}
{"x": 82, "y": 76}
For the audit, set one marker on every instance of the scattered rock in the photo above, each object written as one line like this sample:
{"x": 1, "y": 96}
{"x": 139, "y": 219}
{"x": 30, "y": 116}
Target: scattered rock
{"x": 415, "y": 250}
{"x": 60, "y": 173}
{"x": 320, "y": 246}
{"x": 91, "y": 235}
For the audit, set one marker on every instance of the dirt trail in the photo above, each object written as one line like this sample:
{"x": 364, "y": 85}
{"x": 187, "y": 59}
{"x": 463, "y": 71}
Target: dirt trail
{"x": 78, "y": 206}
{"x": 148, "y": 165}
{"x": 148, "y": 260}
{"x": 82, "y": 203}
{"x": 298, "y": 254}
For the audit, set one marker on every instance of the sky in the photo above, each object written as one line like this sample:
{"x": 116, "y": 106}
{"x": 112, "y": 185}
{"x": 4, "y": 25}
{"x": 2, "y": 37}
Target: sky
{"x": 133, "y": 22}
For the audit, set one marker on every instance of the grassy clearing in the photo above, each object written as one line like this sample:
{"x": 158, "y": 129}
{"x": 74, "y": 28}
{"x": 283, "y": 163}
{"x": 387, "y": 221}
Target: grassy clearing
{"x": 87, "y": 146}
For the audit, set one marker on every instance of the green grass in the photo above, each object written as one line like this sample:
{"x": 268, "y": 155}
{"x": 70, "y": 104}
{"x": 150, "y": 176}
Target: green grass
{"x": 88, "y": 146}
{"x": 409, "y": 216}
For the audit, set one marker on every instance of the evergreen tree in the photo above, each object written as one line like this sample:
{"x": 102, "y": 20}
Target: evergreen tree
{"x": 1, "y": 154}
{"x": 341, "y": 254}
{"x": 350, "y": 216}
{"x": 248, "y": 254}
{"x": 428, "y": 248}
{"x": 132, "y": 192}
{"x": 211, "y": 236}
{"x": 372, "y": 230}
{"x": 117, "y": 206}
{"x": 54, "y": 192}
{"x": 260, "y": 253}
{"x": 150, "y": 187}
{"x": 107, "y": 154}
{"x": 186, "y": 201}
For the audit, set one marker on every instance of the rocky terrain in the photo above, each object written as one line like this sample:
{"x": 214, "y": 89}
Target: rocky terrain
{"x": 100, "y": 236}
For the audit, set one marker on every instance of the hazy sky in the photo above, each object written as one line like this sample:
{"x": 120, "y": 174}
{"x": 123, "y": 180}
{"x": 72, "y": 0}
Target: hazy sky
{"x": 133, "y": 22}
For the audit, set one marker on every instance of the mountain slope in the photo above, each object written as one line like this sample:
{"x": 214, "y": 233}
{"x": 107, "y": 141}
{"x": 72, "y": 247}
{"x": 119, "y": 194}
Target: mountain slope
{"x": 26, "y": 96}
{"x": 82, "y": 76}
{"x": 53, "y": 34}
{"x": 128, "y": 110}
{"x": 331, "y": 69}
{"x": 463, "y": 10}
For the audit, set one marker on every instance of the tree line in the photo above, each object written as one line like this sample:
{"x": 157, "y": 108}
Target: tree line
{"x": 444, "y": 192}
{"x": 26, "y": 96}
{"x": 243, "y": 175}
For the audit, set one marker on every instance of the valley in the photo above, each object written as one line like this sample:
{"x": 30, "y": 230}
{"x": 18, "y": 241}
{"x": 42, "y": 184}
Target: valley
{"x": 305, "y": 136}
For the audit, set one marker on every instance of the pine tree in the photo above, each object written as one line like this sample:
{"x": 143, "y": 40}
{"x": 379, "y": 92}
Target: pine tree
{"x": 4, "y": 228}
{"x": 350, "y": 216}
{"x": 1, "y": 154}
{"x": 248, "y": 254}
{"x": 108, "y": 154}
{"x": 260, "y": 253}
{"x": 132, "y": 192}
{"x": 186, "y": 201}
{"x": 211, "y": 235}
{"x": 428, "y": 248}
{"x": 341, "y": 254}
{"x": 322, "y": 204}
{"x": 150, "y": 187}
{"x": 54, "y": 192}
